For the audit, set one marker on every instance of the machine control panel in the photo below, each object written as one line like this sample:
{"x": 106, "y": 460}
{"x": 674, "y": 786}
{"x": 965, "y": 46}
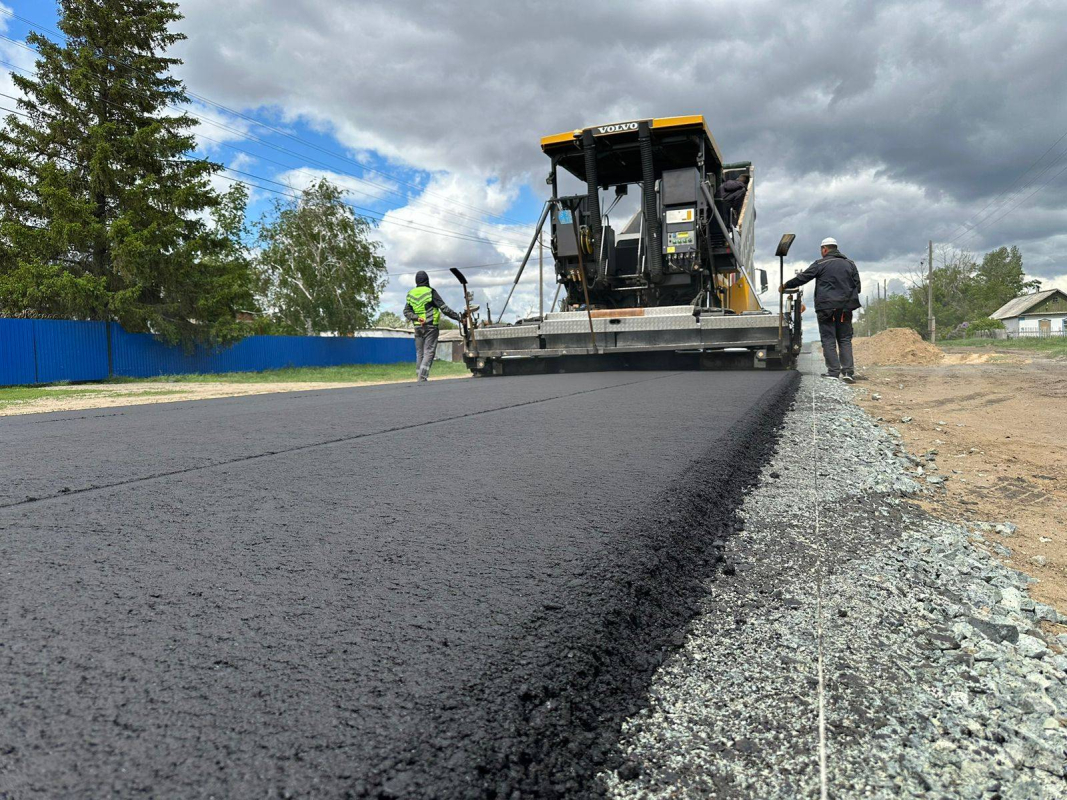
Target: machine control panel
{"x": 680, "y": 229}
{"x": 680, "y": 203}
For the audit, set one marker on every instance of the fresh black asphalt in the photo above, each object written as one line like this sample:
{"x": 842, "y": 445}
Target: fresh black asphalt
{"x": 451, "y": 590}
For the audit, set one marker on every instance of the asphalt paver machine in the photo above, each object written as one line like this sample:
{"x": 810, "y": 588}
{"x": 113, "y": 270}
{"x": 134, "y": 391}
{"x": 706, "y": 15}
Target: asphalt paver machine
{"x": 673, "y": 287}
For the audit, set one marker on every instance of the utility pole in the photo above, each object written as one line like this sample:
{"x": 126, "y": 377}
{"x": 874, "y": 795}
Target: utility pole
{"x": 885, "y": 303}
{"x": 541, "y": 273}
{"x": 930, "y": 294}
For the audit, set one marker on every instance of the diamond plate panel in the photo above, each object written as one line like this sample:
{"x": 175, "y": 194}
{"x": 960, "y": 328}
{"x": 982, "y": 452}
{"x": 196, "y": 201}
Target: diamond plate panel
{"x": 580, "y": 324}
{"x": 505, "y": 332}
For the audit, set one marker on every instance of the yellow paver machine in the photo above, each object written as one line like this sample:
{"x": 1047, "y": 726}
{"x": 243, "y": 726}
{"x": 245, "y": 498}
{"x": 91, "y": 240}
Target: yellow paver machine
{"x": 673, "y": 287}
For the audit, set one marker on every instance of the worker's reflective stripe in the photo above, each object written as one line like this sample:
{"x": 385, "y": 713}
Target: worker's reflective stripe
{"x": 419, "y": 299}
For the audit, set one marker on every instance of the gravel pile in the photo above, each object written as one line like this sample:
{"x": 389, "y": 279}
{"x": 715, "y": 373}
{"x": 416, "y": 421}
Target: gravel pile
{"x": 939, "y": 679}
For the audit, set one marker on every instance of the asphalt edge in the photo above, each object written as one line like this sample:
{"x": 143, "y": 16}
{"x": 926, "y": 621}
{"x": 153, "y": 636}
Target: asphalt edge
{"x": 559, "y": 729}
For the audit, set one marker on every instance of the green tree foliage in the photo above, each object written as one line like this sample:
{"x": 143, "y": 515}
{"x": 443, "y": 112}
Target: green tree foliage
{"x": 389, "y": 319}
{"x": 964, "y": 291}
{"x": 1000, "y": 278}
{"x": 320, "y": 270}
{"x": 984, "y": 325}
{"x": 102, "y": 213}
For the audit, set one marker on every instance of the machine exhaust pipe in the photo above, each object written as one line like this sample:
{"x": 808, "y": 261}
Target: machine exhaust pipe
{"x": 648, "y": 194}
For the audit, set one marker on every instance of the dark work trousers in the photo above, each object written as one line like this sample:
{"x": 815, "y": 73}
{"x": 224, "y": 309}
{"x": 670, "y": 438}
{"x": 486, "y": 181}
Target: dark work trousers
{"x": 425, "y": 349}
{"x": 835, "y": 330}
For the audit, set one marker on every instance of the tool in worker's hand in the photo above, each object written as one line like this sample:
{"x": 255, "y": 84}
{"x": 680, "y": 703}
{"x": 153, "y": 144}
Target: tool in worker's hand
{"x": 467, "y": 321}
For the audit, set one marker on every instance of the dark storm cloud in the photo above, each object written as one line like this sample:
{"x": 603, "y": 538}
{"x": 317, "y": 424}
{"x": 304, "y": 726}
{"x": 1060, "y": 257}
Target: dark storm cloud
{"x": 883, "y": 123}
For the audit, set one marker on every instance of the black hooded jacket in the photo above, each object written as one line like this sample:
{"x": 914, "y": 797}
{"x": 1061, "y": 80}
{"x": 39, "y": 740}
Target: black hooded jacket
{"x": 422, "y": 279}
{"x": 733, "y": 193}
{"x": 837, "y": 282}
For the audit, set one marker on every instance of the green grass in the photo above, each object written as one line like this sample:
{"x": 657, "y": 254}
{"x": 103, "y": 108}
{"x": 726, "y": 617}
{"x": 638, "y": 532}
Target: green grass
{"x": 355, "y": 373}
{"x": 14, "y": 395}
{"x": 24, "y": 394}
{"x": 1054, "y": 345}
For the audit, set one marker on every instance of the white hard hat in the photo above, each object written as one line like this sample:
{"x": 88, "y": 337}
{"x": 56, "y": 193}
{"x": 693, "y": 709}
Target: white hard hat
{"x": 829, "y": 241}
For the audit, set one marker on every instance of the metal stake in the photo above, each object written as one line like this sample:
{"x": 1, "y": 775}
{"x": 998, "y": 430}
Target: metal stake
{"x": 930, "y": 294}
{"x": 781, "y": 297}
{"x": 541, "y": 274}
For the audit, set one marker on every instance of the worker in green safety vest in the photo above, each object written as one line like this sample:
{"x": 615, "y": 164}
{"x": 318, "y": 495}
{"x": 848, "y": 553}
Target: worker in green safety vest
{"x": 424, "y": 307}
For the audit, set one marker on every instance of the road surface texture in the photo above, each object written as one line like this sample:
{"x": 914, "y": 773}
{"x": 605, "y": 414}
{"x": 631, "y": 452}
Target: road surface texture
{"x": 458, "y": 589}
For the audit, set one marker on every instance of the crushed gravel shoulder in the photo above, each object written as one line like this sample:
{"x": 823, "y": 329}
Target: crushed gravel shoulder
{"x": 942, "y": 676}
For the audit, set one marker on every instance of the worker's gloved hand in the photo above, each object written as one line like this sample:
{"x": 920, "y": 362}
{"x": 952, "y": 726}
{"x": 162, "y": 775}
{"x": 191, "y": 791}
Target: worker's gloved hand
{"x": 781, "y": 289}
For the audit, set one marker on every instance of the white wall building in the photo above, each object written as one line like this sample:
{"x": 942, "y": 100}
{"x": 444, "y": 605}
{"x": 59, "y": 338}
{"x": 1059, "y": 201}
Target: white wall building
{"x": 1037, "y": 314}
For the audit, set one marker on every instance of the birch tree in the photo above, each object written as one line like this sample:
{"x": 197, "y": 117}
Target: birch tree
{"x": 320, "y": 271}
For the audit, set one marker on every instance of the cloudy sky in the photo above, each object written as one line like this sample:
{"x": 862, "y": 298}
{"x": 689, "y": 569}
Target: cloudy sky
{"x": 884, "y": 124}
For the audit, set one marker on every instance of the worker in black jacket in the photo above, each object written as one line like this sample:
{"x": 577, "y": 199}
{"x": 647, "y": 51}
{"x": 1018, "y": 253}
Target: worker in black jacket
{"x": 837, "y": 295}
{"x": 732, "y": 193}
{"x": 424, "y": 307}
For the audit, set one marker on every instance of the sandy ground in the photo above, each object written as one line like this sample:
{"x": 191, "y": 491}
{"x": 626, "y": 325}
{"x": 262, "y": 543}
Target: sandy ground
{"x": 998, "y": 429}
{"x": 130, "y": 394}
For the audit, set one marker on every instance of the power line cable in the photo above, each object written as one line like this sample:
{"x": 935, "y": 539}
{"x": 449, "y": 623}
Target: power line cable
{"x": 416, "y": 226}
{"x": 290, "y": 167}
{"x": 275, "y": 130}
{"x": 500, "y": 242}
{"x": 247, "y": 135}
{"x": 365, "y": 211}
{"x": 13, "y": 111}
{"x": 1010, "y": 186}
{"x": 1027, "y": 197}
{"x": 297, "y": 139}
{"x": 989, "y": 218}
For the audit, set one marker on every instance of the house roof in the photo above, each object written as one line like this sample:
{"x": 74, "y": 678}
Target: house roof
{"x": 1020, "y": 305}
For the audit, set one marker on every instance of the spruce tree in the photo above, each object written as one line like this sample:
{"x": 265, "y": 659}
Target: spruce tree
{"x": 104, "y": 213}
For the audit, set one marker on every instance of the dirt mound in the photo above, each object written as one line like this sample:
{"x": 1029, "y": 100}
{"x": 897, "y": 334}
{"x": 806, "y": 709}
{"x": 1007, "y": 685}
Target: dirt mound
{"x": 896, "y": 347}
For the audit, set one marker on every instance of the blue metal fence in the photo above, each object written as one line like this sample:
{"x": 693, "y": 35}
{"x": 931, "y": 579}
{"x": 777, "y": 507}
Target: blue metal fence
{"x": 46, "y": 351}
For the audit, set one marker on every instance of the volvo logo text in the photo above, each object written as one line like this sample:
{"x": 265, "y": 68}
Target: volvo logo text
{"x": 622, "y": 126}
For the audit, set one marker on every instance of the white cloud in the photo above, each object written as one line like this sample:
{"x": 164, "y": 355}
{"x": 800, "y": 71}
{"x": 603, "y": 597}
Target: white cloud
{"x": 469, "y": 242}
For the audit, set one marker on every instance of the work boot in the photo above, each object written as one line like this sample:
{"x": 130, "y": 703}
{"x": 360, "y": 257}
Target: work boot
{"x": 848, "y": 379}
{"x": 830, "y": 375}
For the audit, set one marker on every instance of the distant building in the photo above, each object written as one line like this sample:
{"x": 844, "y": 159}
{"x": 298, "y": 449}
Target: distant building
{"x": 384, "y": 333}
{"x": 450, "y": 346}
{"x": 1037, "y": 314}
